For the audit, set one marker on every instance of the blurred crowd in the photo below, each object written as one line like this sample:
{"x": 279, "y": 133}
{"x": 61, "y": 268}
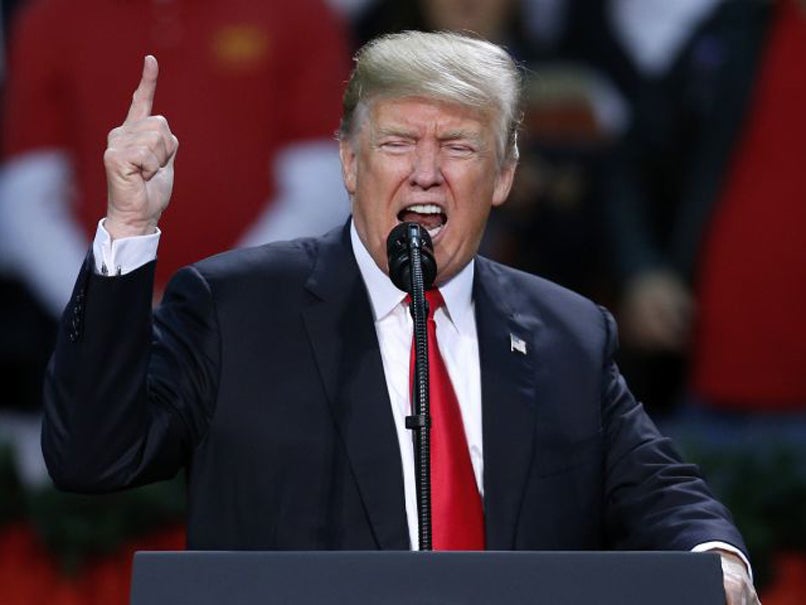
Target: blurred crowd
{"x": 662, "y": 173}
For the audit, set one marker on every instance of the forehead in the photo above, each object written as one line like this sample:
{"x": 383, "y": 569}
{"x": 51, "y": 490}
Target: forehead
{"x": 421, "y": 115}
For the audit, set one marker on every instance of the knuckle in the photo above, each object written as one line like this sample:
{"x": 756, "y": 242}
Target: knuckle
{"x": 110, "y": 155}
{"x": 143, "y": 153}
{"x": 161, "y": 121}
{"x": 114, "y": 134}
{"x": 153, "y": 138}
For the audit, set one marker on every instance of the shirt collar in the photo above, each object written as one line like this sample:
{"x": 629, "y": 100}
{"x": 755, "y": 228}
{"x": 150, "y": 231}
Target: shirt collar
{"x": 385, "y": 296}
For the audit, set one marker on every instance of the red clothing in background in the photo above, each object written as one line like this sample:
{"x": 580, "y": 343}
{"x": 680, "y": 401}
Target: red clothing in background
{"x": 751, "y": 345}
{"x": 239, "y": 80}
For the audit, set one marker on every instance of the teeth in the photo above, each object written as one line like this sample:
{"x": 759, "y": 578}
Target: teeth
{"x": 425, "y": 209}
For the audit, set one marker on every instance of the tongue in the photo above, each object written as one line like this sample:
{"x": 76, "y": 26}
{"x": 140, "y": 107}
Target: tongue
{"x": 427, "y": 221}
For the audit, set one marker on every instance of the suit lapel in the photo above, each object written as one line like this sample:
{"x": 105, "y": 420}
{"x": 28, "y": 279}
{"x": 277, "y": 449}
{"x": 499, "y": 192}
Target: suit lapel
{"x": 342, "y": 334}
{"x": 507, "y": 351}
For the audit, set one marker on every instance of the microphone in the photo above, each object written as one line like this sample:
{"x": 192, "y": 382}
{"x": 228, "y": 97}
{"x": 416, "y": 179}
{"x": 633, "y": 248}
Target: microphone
{"x": 407, "y": 242}
{"x": 413, "y": 268}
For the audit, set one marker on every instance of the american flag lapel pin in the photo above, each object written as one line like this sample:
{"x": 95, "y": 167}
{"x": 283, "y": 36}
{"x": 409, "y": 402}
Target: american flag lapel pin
{"x": 517, "y": 344}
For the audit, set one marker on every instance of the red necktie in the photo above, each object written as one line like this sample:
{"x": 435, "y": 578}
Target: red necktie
{"x": 456, "y": 511}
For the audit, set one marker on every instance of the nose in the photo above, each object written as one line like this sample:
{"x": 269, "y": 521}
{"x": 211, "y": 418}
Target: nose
{"x": 426, "y": 170}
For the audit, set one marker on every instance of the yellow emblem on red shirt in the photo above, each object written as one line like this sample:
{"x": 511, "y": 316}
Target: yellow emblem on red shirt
{"x": 240, "y": 47}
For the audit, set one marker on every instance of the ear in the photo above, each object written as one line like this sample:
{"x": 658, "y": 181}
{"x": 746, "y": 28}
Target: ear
{"x": 348, "y": 165}
{"x": 503, "y": 183}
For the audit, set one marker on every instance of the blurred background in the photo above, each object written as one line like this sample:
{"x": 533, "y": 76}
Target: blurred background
{"x": 663, "y": 174}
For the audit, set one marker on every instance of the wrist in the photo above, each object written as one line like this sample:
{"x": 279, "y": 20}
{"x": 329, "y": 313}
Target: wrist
{"x": 119, "y": 227}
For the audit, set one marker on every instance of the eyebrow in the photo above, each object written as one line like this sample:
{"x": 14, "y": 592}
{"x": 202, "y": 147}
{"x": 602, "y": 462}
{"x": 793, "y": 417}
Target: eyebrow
{"x": 451, "y": 135}
{"x": 394, "y": 131}
{"x": 456, "y": 135}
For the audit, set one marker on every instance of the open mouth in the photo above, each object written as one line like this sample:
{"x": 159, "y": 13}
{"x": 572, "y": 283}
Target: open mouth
{"x": 429, "y": 216}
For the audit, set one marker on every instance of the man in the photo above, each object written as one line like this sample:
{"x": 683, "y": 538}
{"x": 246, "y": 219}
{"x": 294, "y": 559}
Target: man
{"x": 278, "y": 376}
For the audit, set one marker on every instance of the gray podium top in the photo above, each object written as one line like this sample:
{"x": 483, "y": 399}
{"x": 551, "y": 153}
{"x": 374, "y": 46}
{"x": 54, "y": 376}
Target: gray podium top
{"x": 429, "y": 578}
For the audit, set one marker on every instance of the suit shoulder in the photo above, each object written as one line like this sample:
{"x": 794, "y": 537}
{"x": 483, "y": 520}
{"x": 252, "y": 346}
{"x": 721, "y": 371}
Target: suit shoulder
{"x": 535, "y": 289}
{"x": 276, "y": 260}
{"x": 555, "y": 305}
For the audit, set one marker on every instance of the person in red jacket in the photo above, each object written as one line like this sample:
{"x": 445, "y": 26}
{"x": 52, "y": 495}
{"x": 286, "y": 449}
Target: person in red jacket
{"x": 750, "y": 343}
{"x": 254, "y": 90}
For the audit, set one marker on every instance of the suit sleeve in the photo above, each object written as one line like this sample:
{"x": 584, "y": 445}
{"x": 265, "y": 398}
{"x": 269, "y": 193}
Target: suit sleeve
{"x": 127, "y": 398}
{"x": 653, "y": 500}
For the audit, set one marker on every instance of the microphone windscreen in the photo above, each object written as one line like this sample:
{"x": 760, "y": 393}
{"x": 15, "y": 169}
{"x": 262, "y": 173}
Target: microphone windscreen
{"x": 402, "y": 238}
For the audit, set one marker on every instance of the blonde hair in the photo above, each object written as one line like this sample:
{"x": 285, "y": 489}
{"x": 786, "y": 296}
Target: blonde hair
{"x": 445, "y": 66}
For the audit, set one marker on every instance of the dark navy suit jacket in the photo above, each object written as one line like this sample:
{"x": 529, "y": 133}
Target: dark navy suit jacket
{"x": 261, "y": 375}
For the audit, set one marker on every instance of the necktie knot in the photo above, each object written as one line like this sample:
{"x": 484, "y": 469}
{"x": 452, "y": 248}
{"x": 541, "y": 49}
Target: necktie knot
{"x": 434, "y": 299}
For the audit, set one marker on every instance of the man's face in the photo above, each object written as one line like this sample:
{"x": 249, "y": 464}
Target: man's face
{"x": 428, "y": 162}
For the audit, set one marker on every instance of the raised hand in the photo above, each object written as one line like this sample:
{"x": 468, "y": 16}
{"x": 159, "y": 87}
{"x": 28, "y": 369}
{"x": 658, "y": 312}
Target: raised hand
{"x": 139, "y": 162}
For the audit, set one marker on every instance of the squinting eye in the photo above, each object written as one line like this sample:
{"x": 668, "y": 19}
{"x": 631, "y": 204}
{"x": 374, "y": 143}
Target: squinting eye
{"x": 458, "y": 149}
{"x": 395, "y": 145}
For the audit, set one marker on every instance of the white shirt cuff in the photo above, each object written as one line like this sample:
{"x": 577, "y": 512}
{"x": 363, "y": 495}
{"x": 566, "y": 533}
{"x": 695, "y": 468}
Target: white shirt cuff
{"x": 706, "y": 546}
{"x": 123, "y": 255}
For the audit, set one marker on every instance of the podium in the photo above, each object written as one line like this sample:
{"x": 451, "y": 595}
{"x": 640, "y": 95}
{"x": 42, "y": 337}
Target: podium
{"x": 429, "y": 578}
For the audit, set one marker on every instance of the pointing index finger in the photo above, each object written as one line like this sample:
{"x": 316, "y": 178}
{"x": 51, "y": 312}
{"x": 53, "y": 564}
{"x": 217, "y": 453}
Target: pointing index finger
{"x": 143, "y": 98}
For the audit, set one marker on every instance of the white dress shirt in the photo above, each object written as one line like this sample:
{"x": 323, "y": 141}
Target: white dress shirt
{"x": 458, "y": 345}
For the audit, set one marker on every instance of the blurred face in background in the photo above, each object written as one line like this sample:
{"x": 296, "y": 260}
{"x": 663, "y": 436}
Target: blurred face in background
{"x": 488, "y": 18}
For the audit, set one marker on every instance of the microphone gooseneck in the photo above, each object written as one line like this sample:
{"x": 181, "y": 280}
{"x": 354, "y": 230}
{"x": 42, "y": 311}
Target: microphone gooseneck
{"x": 412, "y": 268}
